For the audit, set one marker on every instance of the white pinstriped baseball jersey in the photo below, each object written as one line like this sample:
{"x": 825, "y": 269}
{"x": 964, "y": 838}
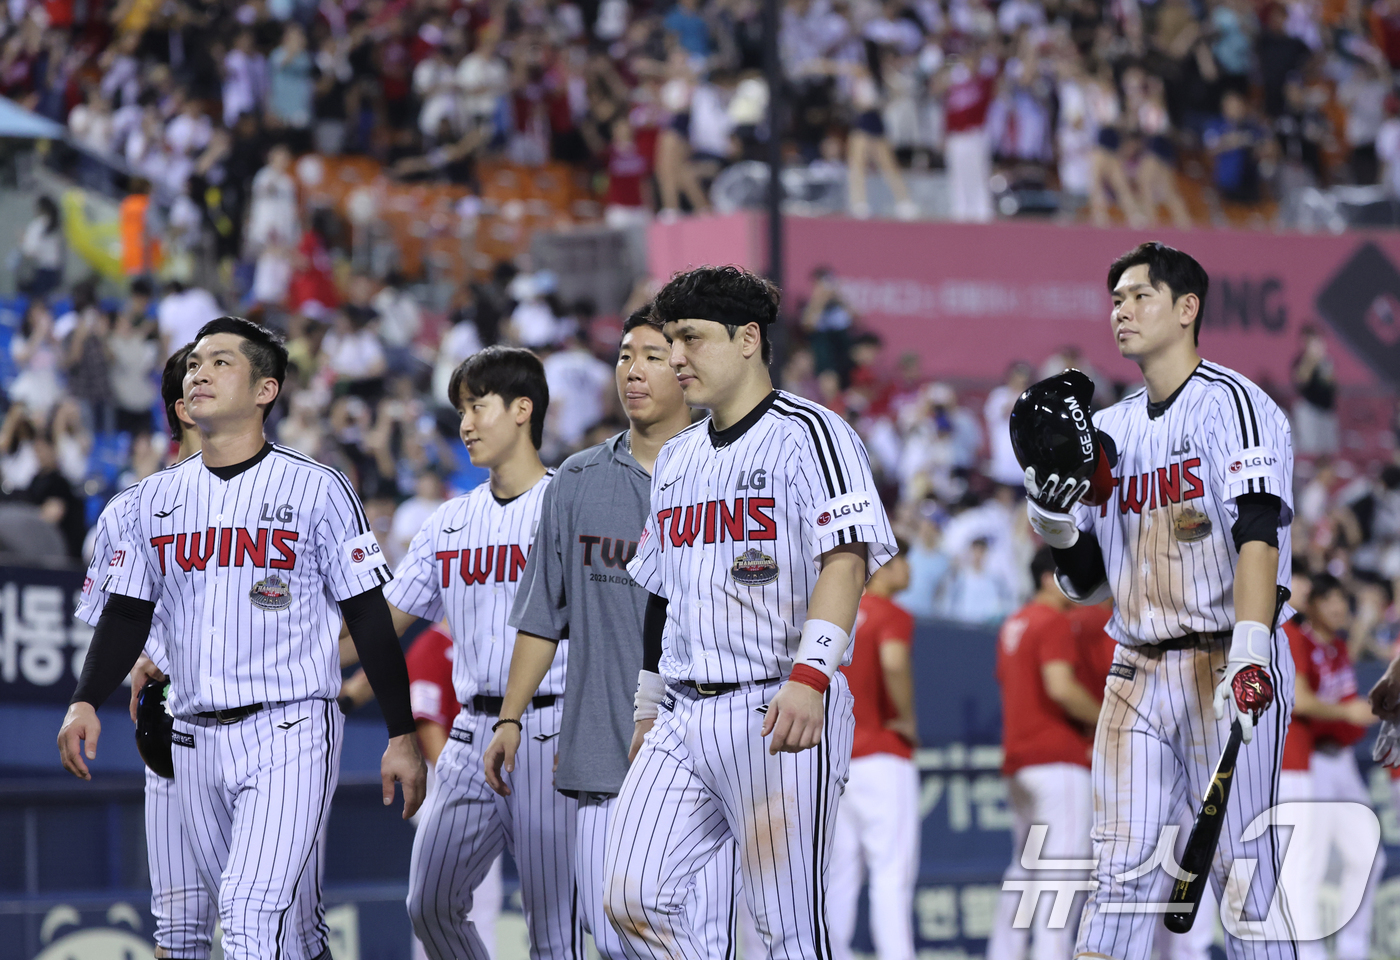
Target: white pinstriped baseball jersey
{"x": 105, "y": 540}
{"x": 245, "y": 573}
{"x": 183, "y": 907}
{"x": 739, "y": 519}
{"x": 1165, "y": 532}
{"x": 466, "y": 563}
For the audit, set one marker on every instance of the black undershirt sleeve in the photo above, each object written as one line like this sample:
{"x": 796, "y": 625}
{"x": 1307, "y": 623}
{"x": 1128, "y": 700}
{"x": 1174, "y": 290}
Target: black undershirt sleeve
{"x": 653, "y": 626}
{"x": 372, "y": 629}
{"x": 117, "y": 642}
{"x": 1082, "y": 564}
{"x": 1258, "y": 520}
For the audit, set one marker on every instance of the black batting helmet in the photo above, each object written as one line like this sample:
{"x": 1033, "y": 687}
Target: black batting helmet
{"x": 1052, "y": 430}
{"x": 153, "y": 727}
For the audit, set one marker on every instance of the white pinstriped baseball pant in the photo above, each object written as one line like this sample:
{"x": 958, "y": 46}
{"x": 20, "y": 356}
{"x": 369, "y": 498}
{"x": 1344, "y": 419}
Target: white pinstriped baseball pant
{"x": 1155, "y": 750}
{"x": 465, "y": 826}
{"x": 254, "y": 797}
{"x": 703, "y": 778}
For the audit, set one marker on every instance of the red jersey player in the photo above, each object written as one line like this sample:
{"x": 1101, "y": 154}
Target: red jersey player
{"x": 877, "y": 823}
{"x": 1329, "y": 718}
{"x": 1048, "y": 716}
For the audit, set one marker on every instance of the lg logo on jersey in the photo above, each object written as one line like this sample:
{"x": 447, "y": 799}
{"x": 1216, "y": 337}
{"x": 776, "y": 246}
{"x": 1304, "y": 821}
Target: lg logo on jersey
{"x": 283, "y": 513}
{"x": 843, "y": 511}
{"x": 1256, "y": 462}
{"x": 359, "y": 553}
{"x": 756, "y": 480}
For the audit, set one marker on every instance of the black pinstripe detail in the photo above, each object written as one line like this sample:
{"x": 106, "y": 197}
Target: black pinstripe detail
{"x": 825, "y": 447}
{"x": 335, "y": 474}
{"x": 1237, "y": 393}
{"x": 326, "y": 791}
{"x": 821, "y": 935}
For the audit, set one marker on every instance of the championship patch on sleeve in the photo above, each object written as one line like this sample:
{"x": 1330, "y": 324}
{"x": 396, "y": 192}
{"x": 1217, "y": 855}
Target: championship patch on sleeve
{"x": 363, "y": 553}
{"x": 1254, "y": 463}
{"x": 851, "y": 508}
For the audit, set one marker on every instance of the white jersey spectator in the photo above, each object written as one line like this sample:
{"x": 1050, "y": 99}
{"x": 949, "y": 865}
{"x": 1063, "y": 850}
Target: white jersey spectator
{"x": 581, "y": 382}
{"x": 181, "y": 313}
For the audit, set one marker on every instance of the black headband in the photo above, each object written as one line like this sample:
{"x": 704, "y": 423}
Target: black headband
{"x": 725, "y": 319}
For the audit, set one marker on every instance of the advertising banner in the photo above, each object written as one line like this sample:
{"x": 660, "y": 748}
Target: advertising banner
{"x": 969, "y": 298}
{"x": 42, "y": 646}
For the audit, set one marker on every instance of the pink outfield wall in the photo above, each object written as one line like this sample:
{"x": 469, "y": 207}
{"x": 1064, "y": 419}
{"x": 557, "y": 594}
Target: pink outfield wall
{"x": 972, "y": 298}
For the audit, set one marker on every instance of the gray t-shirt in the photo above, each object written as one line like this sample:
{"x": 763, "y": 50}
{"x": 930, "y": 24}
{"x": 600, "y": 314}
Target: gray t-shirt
{"x": 576, "y": 585}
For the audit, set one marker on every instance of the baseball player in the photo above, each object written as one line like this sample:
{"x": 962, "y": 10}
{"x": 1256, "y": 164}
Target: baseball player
{"x": 435, "y": 706}
{"x": 183, "y": 909}
{"x": 466, "y": 564}
{"x": 1185, "y": 522}
{"x": 576, "y": 586}
{"x": 239, "y": 552}
{"x": 763, "y": 528}
{"x": 877, "y": 821}
{"x": 1047, "y": 713}
{"x": 1328, "y": 719}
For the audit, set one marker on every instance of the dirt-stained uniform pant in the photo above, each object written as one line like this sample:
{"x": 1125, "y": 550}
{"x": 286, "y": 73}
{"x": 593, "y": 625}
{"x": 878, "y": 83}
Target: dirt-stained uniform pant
{"x": 1155, "y": 751}
{"x": 704, "y": 777}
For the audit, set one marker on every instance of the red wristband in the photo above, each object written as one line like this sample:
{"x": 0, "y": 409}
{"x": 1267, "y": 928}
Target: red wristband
{"x": 810, "y": 676}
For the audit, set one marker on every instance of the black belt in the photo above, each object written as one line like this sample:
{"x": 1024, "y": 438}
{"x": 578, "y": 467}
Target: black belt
{"x": 232, "y": 715}
{"x": 1189, "y": 642}
{"x": 492, "y": 705}
{"x": 715, "y": 689}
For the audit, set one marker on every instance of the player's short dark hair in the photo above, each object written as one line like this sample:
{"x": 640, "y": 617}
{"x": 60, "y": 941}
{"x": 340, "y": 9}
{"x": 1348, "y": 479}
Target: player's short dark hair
{"x": 728, "y": 295}
{"x": 265, "y": 349}
{"x": 901, "y": 547}
{"x": 641, "y": 317}
{"x": 1325, "y": 583}
{"x": 508, "y": 372}
{"x": 172, "y": 388}
{"x": 1178, "y": 271}
{"x": 1042, "y": 563}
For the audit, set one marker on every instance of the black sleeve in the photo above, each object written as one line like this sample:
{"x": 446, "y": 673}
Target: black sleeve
{"x": 117, "y": 641}
{"x": 1082, "y": 563}
{"x": 653, "y": 626}
{"x": 1259, "y": 517}
{"x": 372, "y": 629}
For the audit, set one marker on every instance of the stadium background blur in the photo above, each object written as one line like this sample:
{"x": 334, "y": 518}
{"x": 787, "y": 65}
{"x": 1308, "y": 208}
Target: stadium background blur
{"x": 397, "y": 184}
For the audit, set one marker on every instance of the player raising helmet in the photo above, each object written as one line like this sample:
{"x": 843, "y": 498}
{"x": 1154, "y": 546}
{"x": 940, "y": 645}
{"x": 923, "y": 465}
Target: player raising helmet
{"x": 1190, "y": 538}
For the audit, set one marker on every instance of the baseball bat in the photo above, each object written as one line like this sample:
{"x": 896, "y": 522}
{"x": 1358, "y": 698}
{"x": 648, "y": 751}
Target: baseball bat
{"x": 1205, "y": 832}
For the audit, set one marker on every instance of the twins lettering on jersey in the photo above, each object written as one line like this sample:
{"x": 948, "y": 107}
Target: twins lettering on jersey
{"x": 615, "y": 552}
{"x": 714, "y": 521}
{"x": 1175, "y": 483}
{"x": 474, "y": 564}
{"x": 236, "y": 546}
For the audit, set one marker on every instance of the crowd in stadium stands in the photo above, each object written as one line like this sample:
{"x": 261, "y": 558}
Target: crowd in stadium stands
{"x": 1099, "y": 101}
{"x": 207, "y": 105}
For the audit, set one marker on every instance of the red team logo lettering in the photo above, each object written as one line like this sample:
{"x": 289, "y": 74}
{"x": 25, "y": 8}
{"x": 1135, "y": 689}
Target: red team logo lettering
{"x": 236, "y": 546}
{"x": 1176, "y": 483}
{"x": 475, "y": 565}
{"x": 749, "y": 518}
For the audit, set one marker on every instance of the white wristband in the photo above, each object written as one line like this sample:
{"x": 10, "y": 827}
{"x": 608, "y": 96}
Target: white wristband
{"x": 823, "y": 646}
{"x": 651, "y": 687}
{"x": 1250, "y": 643}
